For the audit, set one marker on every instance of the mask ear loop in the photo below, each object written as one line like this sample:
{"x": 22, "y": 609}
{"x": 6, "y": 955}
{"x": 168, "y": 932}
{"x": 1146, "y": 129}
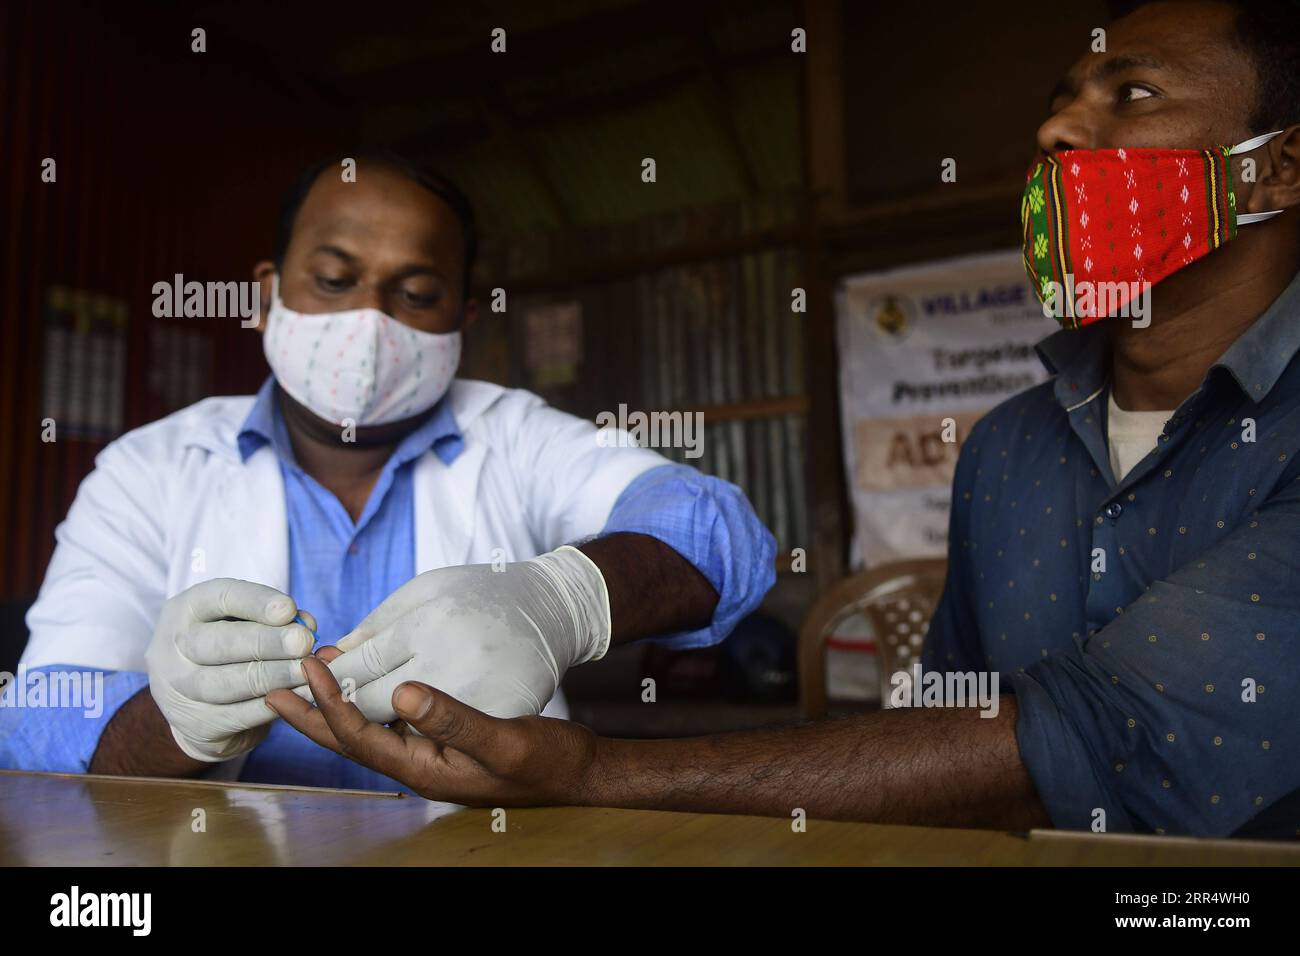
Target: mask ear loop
{"x": 1246, "y": 146}
{"x": 1247, "y": 219}
{"x": 1255, "y": 142}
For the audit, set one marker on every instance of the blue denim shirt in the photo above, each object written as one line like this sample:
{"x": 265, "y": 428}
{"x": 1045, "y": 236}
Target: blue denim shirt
{"x": 1147, "y": 625}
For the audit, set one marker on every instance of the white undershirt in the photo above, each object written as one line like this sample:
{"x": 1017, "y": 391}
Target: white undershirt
{"x": 1131, "y": 435}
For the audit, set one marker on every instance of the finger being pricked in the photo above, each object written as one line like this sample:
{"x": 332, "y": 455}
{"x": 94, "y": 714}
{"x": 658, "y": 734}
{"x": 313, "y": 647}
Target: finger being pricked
{"x": 338, "y": 724}
{"x": 302, "y": 716}
{"x": 328, "y": 653}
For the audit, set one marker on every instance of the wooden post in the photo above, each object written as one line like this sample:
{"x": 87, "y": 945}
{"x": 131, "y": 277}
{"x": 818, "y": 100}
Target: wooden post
{"x": 823, "y": 117}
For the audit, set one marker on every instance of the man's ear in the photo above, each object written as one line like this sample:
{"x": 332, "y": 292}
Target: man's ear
{"x": 1278, "y": 186}
{"x": 263, "y": 273}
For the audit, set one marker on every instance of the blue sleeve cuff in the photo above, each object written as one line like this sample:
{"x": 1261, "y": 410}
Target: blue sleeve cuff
{"x": 1056, "y": 754}
{"x": 51, "y": 718}
{"x": 711, "y": 524}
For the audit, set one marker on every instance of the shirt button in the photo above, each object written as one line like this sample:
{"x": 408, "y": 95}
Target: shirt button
{"x": 1113, "y": 509}
{"x": 354, "y": 549}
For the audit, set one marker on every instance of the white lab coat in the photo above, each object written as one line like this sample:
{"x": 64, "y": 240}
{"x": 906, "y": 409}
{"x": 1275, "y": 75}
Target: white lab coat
{"x": 171, "y": 504}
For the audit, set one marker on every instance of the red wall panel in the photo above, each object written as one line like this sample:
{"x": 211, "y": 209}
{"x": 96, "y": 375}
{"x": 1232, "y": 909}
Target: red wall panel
{"x": 168, "y": 161}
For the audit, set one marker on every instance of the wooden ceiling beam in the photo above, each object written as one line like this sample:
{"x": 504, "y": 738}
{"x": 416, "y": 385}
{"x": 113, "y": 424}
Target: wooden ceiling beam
{"x": 564, "y": 276}
{"x": 541, "y": 51}
{"x": 455, "y": 136}
{"x": 515, "y": 142}
{"x": 719, "y": 92}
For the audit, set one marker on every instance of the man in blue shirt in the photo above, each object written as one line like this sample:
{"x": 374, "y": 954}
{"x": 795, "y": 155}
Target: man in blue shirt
{"x": 1137, "y": 589}
{"x": 212, "y": 550}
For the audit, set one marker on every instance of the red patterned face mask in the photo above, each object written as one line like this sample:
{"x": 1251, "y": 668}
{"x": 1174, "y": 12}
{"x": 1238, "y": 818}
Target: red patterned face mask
{"x": 1101, "y": 226}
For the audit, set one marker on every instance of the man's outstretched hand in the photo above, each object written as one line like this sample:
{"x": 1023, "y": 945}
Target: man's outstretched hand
{"x": 943, "y": 766}
{"x": 463, "y": 756}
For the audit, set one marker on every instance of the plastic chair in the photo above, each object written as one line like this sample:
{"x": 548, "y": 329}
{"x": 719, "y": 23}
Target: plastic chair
{"x": 898, "y": 599}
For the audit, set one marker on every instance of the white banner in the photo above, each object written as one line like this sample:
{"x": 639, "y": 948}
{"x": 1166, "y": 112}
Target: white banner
{"x": 946, "y": 339}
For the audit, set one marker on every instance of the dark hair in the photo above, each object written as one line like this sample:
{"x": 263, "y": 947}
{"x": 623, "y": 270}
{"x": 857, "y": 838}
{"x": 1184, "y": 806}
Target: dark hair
{"x": 438, "y": 184}
{"x": 1268, "y": 32}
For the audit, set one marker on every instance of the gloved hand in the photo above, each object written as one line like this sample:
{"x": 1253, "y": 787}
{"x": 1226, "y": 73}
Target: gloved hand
{"x": 217, "y": 650}
{"x": 497, "y": 640}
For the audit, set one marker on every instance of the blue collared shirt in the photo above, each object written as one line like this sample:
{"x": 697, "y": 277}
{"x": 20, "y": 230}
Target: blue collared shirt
{"x": 340, "y": 571}
{"x": 1146, "y": 625}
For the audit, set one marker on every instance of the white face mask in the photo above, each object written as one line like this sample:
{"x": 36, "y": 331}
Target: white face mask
{"x": 360, "y": 366}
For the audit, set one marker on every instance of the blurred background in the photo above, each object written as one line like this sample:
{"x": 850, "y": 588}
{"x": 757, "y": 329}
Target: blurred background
{"x": 777, "y": 168}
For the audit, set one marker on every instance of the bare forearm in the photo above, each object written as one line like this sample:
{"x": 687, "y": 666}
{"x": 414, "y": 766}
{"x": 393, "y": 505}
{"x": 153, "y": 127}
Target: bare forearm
{"x": 940, "y": 767}
{"x": 652, "y": 589}
{"x": 138, "y": 742}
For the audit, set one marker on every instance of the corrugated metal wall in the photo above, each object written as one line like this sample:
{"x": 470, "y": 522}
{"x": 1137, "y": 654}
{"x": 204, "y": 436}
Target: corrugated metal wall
{"x": 713, "y": 331}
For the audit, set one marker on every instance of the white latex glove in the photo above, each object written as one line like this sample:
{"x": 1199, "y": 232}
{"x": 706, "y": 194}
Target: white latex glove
{"x": 498, "y": 640}
{"x": 219, "y": 647}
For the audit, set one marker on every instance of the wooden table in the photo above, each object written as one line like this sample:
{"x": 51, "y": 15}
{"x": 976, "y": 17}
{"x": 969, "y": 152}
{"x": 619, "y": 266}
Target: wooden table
{"x": 64, "y": 819}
